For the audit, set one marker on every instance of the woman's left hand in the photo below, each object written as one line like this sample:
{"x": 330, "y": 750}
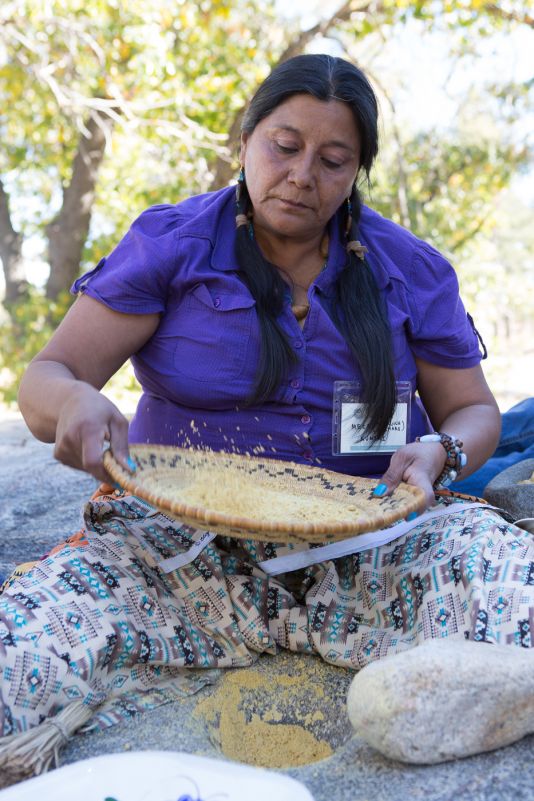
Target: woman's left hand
{"x": 457, "y": 401}
{"x": 418, "y": 463}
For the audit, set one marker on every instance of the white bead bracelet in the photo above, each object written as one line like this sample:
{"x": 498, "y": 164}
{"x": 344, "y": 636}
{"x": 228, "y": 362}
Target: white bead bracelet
{"x": 456, "y": 458}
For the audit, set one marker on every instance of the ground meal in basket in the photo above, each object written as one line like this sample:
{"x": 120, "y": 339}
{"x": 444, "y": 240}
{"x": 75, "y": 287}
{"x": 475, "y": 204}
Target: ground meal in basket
{"x": 239, "y": 496}
{"x": 248, "y": 720}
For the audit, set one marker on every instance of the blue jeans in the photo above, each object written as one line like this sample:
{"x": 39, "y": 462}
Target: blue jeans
{"x": 516, "y": 444}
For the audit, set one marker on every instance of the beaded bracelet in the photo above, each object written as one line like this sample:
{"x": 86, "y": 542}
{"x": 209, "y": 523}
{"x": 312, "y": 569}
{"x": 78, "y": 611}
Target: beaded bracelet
{"x": 456, "y": 458}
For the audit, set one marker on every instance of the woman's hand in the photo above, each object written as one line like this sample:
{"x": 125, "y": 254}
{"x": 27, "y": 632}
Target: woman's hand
{"x": 87, "y": 423}
{"x": 419, "y": 464}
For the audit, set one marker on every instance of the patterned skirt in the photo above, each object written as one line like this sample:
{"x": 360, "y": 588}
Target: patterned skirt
{"x": 98, "y": 620}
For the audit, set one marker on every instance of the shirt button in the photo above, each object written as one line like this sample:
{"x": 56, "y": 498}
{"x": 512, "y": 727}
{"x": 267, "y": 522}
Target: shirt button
{"x": 298, "y": 343}
{"x": 305, "y": 419}
{"x": 308, "y": 455}
{"x": 217, "y": 302}
{"x": 295, "y": 383}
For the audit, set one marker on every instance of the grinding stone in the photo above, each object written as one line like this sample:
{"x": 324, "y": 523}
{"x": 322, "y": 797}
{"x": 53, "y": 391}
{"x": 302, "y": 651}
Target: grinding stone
{"x": 443, "y": 700}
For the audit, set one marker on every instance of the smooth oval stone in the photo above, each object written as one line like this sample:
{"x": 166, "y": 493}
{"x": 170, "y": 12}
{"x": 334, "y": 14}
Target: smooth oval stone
{"x": 444, "y": 699}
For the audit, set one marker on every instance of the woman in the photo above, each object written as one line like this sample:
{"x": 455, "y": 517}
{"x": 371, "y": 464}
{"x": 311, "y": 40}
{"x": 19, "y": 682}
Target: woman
{"x": 242, "y": 311}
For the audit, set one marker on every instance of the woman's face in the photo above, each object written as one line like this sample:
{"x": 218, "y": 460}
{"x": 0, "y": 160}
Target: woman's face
{"x": 300, "y": 163}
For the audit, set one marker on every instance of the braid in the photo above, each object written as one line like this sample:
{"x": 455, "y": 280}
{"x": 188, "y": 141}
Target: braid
{"x": 362, "y": 317}
{"x": 268, "y": 290}
{"x": 364, "y": 324}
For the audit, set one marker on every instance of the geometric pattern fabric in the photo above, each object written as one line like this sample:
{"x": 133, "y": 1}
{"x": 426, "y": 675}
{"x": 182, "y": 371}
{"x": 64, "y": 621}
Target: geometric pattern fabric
{"x": 98, "y": 620}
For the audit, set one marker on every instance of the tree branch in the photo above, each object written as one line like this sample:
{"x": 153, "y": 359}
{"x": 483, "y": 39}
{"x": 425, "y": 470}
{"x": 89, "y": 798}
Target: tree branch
{"x": 511, "y": 16}
{"x": 321, "y": 28}
{"x": 11, "y": 253}
{"x": 470, "y": 234}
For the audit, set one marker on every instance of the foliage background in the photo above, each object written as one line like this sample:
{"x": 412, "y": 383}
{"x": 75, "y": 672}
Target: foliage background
{"x": 108, "y": 107}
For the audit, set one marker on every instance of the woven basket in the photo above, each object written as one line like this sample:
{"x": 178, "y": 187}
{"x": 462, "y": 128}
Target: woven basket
{"x": 273, "y": 500}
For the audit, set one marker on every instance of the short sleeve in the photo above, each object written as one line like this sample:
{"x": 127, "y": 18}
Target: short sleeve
{"x": 440, "y": 330}
{"x": 134, "y": 278}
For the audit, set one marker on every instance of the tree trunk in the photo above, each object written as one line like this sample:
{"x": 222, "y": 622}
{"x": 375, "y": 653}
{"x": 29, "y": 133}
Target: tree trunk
{"x": 68, "y": 232}
{"x": 11, "y": 254}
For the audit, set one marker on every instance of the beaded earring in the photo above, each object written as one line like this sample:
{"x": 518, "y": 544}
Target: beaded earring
{"x": 348, "y": 225}
{"x": 240, "y": 219}
{"x": 240, "y": 182}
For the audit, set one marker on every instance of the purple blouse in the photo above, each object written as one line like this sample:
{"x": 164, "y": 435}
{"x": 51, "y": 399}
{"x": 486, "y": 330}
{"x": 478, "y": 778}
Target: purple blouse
{"x": 199, "y": 367}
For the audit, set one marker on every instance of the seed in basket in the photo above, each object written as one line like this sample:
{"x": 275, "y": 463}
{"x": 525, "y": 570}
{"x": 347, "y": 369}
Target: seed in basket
{"x": 230, "y": 495}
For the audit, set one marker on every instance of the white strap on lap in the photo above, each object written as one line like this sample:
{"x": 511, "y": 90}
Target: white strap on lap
{"x": 176, "y": 562}
{"x": 295, "y": 560}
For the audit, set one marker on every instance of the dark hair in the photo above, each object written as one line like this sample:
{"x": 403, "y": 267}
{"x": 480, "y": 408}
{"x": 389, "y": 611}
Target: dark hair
{"x": 360, "y": 313}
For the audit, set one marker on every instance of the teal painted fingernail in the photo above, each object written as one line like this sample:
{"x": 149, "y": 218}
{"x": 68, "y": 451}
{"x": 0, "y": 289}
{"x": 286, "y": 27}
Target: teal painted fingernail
{"x": 380, "y": 490}
{"x": 131, "y": 464}
{"x": 412, "y": 516}
{"x": 117, "y": 486}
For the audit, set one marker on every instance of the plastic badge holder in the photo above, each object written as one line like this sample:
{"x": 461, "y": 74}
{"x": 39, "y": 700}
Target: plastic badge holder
{"x": 348, "y": 421}
{"x": 157, "y": 776}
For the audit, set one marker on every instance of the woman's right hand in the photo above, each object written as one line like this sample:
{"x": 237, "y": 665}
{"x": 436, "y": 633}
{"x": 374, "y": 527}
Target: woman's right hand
{"x": 88, "y": 423}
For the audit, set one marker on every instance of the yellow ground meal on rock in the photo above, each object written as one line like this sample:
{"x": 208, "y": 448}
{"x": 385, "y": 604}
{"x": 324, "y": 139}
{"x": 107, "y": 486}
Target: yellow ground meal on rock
{"x": 265, "y": 740}
{"x": 242, "y": 497}
{"x": 528, "y": 480}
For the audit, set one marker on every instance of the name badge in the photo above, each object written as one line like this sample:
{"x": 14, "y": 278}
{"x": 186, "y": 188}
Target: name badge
{"x": 348, "y": 419}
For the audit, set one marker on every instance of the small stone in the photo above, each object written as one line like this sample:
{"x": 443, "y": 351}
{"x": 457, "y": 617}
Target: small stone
{"x": 443, "y": 700}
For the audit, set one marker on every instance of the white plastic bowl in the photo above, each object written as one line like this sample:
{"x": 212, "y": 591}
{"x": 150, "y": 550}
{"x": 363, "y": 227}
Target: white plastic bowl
{"x": 157, "y": 776}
